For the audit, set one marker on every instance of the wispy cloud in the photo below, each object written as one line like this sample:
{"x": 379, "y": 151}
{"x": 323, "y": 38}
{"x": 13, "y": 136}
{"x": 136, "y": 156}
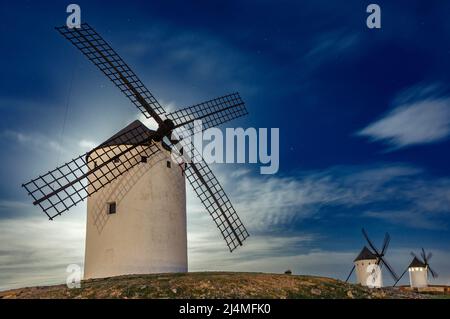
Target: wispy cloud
{"x": 87, "y": 145}
{"x": 35, "y": 251}
{"x": 420, "y": 118}
{"x": 38, "y": 142}
{"x": 268, "y": 207}
{"x": 33, "y": 140}
{"x": 11, "y": 208}
{"x": 409, "y": 218}
{"x": 13, "y": 205}
{"x": 330, "y": 45}
{"x": 279, "y": 201}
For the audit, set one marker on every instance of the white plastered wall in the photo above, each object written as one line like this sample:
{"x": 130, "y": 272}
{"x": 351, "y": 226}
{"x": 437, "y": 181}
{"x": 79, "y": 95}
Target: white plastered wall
{"x": 147, "y": 234}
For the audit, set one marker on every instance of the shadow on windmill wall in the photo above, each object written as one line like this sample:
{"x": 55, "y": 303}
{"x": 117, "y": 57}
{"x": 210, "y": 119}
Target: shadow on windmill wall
{"x": 119, "y": 188}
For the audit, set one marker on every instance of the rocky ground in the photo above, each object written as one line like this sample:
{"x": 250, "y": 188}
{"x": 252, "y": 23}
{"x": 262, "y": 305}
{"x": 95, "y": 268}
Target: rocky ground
{"x": 213, "y": 285}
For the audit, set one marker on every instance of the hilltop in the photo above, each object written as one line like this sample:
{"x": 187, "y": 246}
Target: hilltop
{"x": 211, "y": 285}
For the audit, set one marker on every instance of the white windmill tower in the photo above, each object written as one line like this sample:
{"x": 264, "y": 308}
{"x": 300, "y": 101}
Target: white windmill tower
{"x": 368, "y": 264}
{"x": 137, "y": 223}
{"x": 418, "y": 270}
{"x": 136, "y": 219}
{"x": 418, "y": 274}
{"x": 366, "y": 270}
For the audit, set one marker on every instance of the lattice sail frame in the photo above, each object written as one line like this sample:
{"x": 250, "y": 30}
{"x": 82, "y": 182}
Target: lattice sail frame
{"x": 212, "y": 195}
{"x": 380, "y": 256}
{"x": 69, "y": 184}
{"x": 97, "y": 50}
{"x": 212, "y": 113}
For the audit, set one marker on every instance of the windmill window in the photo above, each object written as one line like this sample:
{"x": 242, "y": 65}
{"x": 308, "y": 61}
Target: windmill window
{"x": 95, "y": 164}
{"x": 143, "y": 159}
{"x": 169, "y": 164}
{"x": 112, "y": 208}
{"x": 116, "y": 160}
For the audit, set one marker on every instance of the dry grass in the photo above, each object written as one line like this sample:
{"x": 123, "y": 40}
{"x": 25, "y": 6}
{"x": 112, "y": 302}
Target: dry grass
{"x": 211, "y": 285}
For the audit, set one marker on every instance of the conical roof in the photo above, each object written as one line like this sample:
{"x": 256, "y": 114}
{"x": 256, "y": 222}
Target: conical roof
{"x": 416, "y": 263}
{"x": 141, "y": 132}
{"x": 365, "y": 254}
{"x": 140, "y": 135}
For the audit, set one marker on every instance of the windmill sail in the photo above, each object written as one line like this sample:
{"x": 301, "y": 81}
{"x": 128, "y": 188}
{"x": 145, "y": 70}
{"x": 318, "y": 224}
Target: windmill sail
{"x": 97, "y": 50}
{"x": 212, "y": 113}
{"x": 69, "y": 184}
{"x": 390, "y": 269}
{"x": 374, "y": 253}
{"x": 380, "y": 256}
{"x": 215, "y": 200}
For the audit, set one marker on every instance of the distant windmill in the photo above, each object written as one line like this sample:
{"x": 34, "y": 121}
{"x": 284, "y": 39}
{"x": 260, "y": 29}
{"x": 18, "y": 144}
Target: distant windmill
{"x": 131, "y": 183}
{"x": 369, "y": 262}
{"x": 418, "y": 270}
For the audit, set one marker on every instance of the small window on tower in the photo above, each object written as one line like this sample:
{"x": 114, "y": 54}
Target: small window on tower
{"x": 169, "y": 164}
{"x": 143, "y": 159}
{"x": 112, "y": 208}
{"x": 116, "y": 160}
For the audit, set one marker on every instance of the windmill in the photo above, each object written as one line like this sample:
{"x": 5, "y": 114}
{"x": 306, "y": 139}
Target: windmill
{"x": 418, "y": 270}
{"x": 146, "y": 230}
{"x": 369, "y": 262}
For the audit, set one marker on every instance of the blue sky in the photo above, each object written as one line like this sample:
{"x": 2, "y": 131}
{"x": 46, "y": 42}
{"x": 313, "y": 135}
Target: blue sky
{"x": 364, "y": 118}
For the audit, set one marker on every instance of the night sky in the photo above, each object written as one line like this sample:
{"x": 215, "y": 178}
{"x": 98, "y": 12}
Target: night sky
{"x": 364, "y": 119}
